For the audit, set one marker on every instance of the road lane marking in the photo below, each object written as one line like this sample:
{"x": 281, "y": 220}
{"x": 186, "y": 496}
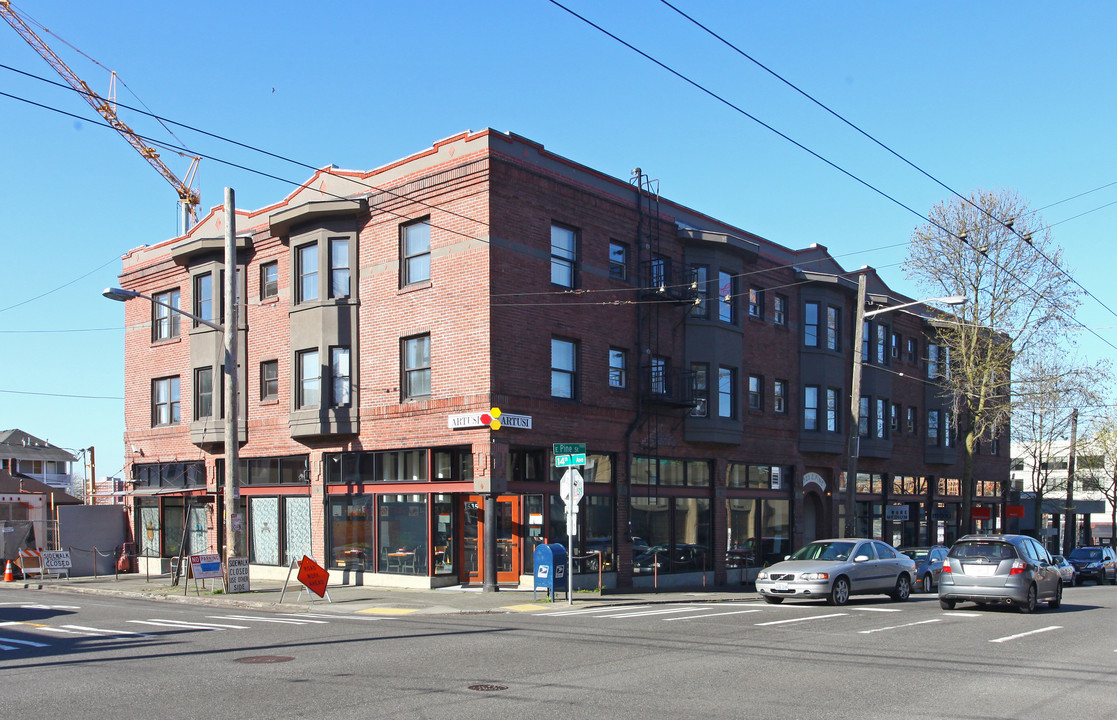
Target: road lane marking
{"x": 791, "y": 620}
{"x": 1025, "y": 634}
{"x": 21, "y": 642}
{"x": 257, "y": 618}
{"x": 877, "y": 609}
{"x": 663, "y": 611}
{"x": 99, "y": 631}
{"x": 897, "y": 627}
{"x": 732, "y": 612}
{"x": 606, "y": 609}
{"x": 387, "y": 611}
{"x": 184, "y": 625}
{"x": 958, "y": 614}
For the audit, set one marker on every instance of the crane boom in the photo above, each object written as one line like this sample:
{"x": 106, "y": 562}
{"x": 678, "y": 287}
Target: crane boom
{"x": 188, "y": 196}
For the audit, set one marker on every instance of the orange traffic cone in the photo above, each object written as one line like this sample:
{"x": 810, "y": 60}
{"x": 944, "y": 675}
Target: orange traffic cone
{"x": 8, "y": 575}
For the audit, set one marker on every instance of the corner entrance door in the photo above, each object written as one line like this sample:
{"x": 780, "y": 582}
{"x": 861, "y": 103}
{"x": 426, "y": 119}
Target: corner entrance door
{"x": 507, "y": 539}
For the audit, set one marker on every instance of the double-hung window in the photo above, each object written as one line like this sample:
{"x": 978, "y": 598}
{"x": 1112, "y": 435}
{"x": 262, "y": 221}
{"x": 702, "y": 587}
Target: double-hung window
{"x": 164, "y": 401}
{"x": 699, "y": 276}
{"x": 415, "y": 248}
{"x": 882, "y": 345}
{"x": 339, "y": 267}
{"x": 779, "y": 396}
{"x": 833, "y": 328}
{"x": 564, "y": 368}
{"x": 203, "y": 297}
{"x": 269, "y": 380}
{"x": 756, "y": 392}
{"x": 933, "y": 427}
{"x": 309, "y": 378}
{"x": 700, "y": 372}
{"x": 417, "y": 366}
{"x": 340, "y": 374}
{"x": 779, "y": 310}
{"x": 726, "y": 393}
{"x": 881, "y": 419}
{"x": 164, "y": 321}
{"x": 863, "y": 419}
{"x": 810, "y": 407}
{"x": 618, "y": 261}
{"x": 269, "y": 280}
{"x": 203, "y": 393}
{"x": 564, "y": 254}
{"x": 756, "y": 303}
{"x": 725, "y": 297}
{"x": 831, "y": 410}
{"x": 618, "y": 368}
{"x": 307, "y": 268}
{"x": 659, "y": 375}
{"x": 810, "y": 324}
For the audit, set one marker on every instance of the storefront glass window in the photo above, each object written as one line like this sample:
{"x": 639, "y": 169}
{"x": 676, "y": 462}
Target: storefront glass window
{"x": 351, "y": 541}
{"x": 444, "y": 536}
{"x": 173, "y": 512}
{"x": 402, "y": 534}
{"x": 148, "y": 532}
{"x": 264, "y": 524}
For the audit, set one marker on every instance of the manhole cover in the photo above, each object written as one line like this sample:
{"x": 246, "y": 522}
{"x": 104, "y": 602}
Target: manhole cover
{"x": 260, "y": 659}
{"x": 488, "y": 688}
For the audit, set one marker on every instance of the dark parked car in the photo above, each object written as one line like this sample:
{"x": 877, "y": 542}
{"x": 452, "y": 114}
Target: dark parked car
{"x": 664, "y": 559}
{"x": 1010, "y": 569}
{"x": 928, "y": 565}
{"x": 1094, "y": 563}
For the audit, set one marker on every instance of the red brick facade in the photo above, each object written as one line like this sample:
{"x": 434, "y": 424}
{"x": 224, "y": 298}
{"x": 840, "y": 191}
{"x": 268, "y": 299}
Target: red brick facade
{"x": 491, "y": 311}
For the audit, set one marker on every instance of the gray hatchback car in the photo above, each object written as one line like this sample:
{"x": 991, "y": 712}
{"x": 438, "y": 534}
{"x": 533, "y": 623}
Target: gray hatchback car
{"x": 1010, "y": 569}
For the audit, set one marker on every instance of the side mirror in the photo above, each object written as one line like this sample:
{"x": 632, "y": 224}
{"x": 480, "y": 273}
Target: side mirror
{"x": 860, "y": 558}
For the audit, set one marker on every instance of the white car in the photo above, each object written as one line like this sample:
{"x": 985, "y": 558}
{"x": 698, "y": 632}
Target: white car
{"x": 835, "y": 569}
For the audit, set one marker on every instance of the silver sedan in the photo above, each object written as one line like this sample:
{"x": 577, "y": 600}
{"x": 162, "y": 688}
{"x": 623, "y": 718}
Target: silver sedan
{"x": 836, "y": 569}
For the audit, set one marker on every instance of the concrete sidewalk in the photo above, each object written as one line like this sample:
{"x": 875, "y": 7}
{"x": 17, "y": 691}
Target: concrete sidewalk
{"x": 371, "y": 600}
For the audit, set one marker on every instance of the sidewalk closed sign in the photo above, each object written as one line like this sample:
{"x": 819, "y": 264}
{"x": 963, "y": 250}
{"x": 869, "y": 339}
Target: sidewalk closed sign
{"x": 205, "y": 566}
{"x": 238, "y": 581}
{"x": 56, "y": 560}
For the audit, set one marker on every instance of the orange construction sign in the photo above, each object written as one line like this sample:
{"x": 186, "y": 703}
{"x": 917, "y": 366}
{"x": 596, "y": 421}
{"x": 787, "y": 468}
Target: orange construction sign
{"x": 313, "y": 576}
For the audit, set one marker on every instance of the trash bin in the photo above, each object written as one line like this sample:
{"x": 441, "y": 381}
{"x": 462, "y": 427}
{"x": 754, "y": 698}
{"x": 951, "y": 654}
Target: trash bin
{"x": 550, "y": 569}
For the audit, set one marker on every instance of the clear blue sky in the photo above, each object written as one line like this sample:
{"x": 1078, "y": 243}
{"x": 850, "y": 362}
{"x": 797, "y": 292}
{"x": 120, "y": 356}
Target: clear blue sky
{"x": 980, "y": 95}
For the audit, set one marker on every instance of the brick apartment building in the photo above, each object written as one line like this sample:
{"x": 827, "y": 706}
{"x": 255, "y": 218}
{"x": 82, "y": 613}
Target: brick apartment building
{"x": 707, "y": 371}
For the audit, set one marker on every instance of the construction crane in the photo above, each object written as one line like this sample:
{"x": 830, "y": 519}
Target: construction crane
{"x": 188, "y": 197}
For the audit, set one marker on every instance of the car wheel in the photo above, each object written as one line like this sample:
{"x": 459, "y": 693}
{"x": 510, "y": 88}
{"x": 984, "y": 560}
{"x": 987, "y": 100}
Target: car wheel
{"x": 928, "y": 583}
{"x": 946, "y": 604}
{"x": 839, "y": 593}
{"x": 1056, "y": 602}
{"x": 1074, "y": 581}
{"x": 903, "y": 589}
{"x": 773, "y": 600}
{"x": 1029, "y": 604}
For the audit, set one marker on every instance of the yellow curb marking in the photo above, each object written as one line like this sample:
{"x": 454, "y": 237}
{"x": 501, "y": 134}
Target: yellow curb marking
{"x": 386, "y": 611}
{"x": 524, "y": 608}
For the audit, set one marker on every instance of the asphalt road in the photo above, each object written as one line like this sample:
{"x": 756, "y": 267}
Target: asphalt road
{"x": 70, "y": 656}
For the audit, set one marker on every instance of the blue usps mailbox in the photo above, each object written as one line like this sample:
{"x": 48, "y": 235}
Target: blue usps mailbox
{"x": 550, "y": 569}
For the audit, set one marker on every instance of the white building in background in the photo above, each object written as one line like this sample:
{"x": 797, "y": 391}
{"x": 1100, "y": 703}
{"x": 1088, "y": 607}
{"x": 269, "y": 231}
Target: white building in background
{"x": 24, "y": 454}
{"x": 1094, "y": 511}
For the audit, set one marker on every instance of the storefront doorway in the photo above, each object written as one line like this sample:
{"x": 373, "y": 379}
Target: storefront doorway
{"x": 508, "y": 530}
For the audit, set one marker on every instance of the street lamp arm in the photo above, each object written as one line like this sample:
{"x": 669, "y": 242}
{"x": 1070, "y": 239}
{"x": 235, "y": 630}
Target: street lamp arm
{"x": 120, "y": 295}
{"x": 948, "y": 300}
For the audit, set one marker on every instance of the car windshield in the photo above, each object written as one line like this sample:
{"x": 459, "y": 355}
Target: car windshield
{"x": 916, "y": 555}
{"x": 1085, "y": 554}
{"x": 824, "y": 551}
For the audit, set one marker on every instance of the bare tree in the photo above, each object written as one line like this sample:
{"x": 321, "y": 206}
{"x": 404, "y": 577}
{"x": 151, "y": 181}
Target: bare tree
{"x": 993, "y": 250}
{"x": 1049, "y": 384}
{"x": 1101, "y": 473}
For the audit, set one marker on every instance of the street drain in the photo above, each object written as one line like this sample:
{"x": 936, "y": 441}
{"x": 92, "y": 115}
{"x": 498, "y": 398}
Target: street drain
{"x": 261, "y": 659}
{"x": 487, "y": 688}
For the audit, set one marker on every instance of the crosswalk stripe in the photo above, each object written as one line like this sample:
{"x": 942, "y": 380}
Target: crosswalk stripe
{"x": 183, "y": 625}
{"x": 1025, "y": 634}
{"x": 791, "y": 620}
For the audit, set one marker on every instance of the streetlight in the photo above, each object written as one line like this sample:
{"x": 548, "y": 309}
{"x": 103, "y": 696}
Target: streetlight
{"x": 855, "y": 391}
{"x": 229, "y": 330}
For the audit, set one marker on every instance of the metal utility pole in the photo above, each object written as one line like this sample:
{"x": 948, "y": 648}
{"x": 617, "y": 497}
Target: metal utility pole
{"x": 232, "y": 414}
{"x": 1070, "y": 519}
